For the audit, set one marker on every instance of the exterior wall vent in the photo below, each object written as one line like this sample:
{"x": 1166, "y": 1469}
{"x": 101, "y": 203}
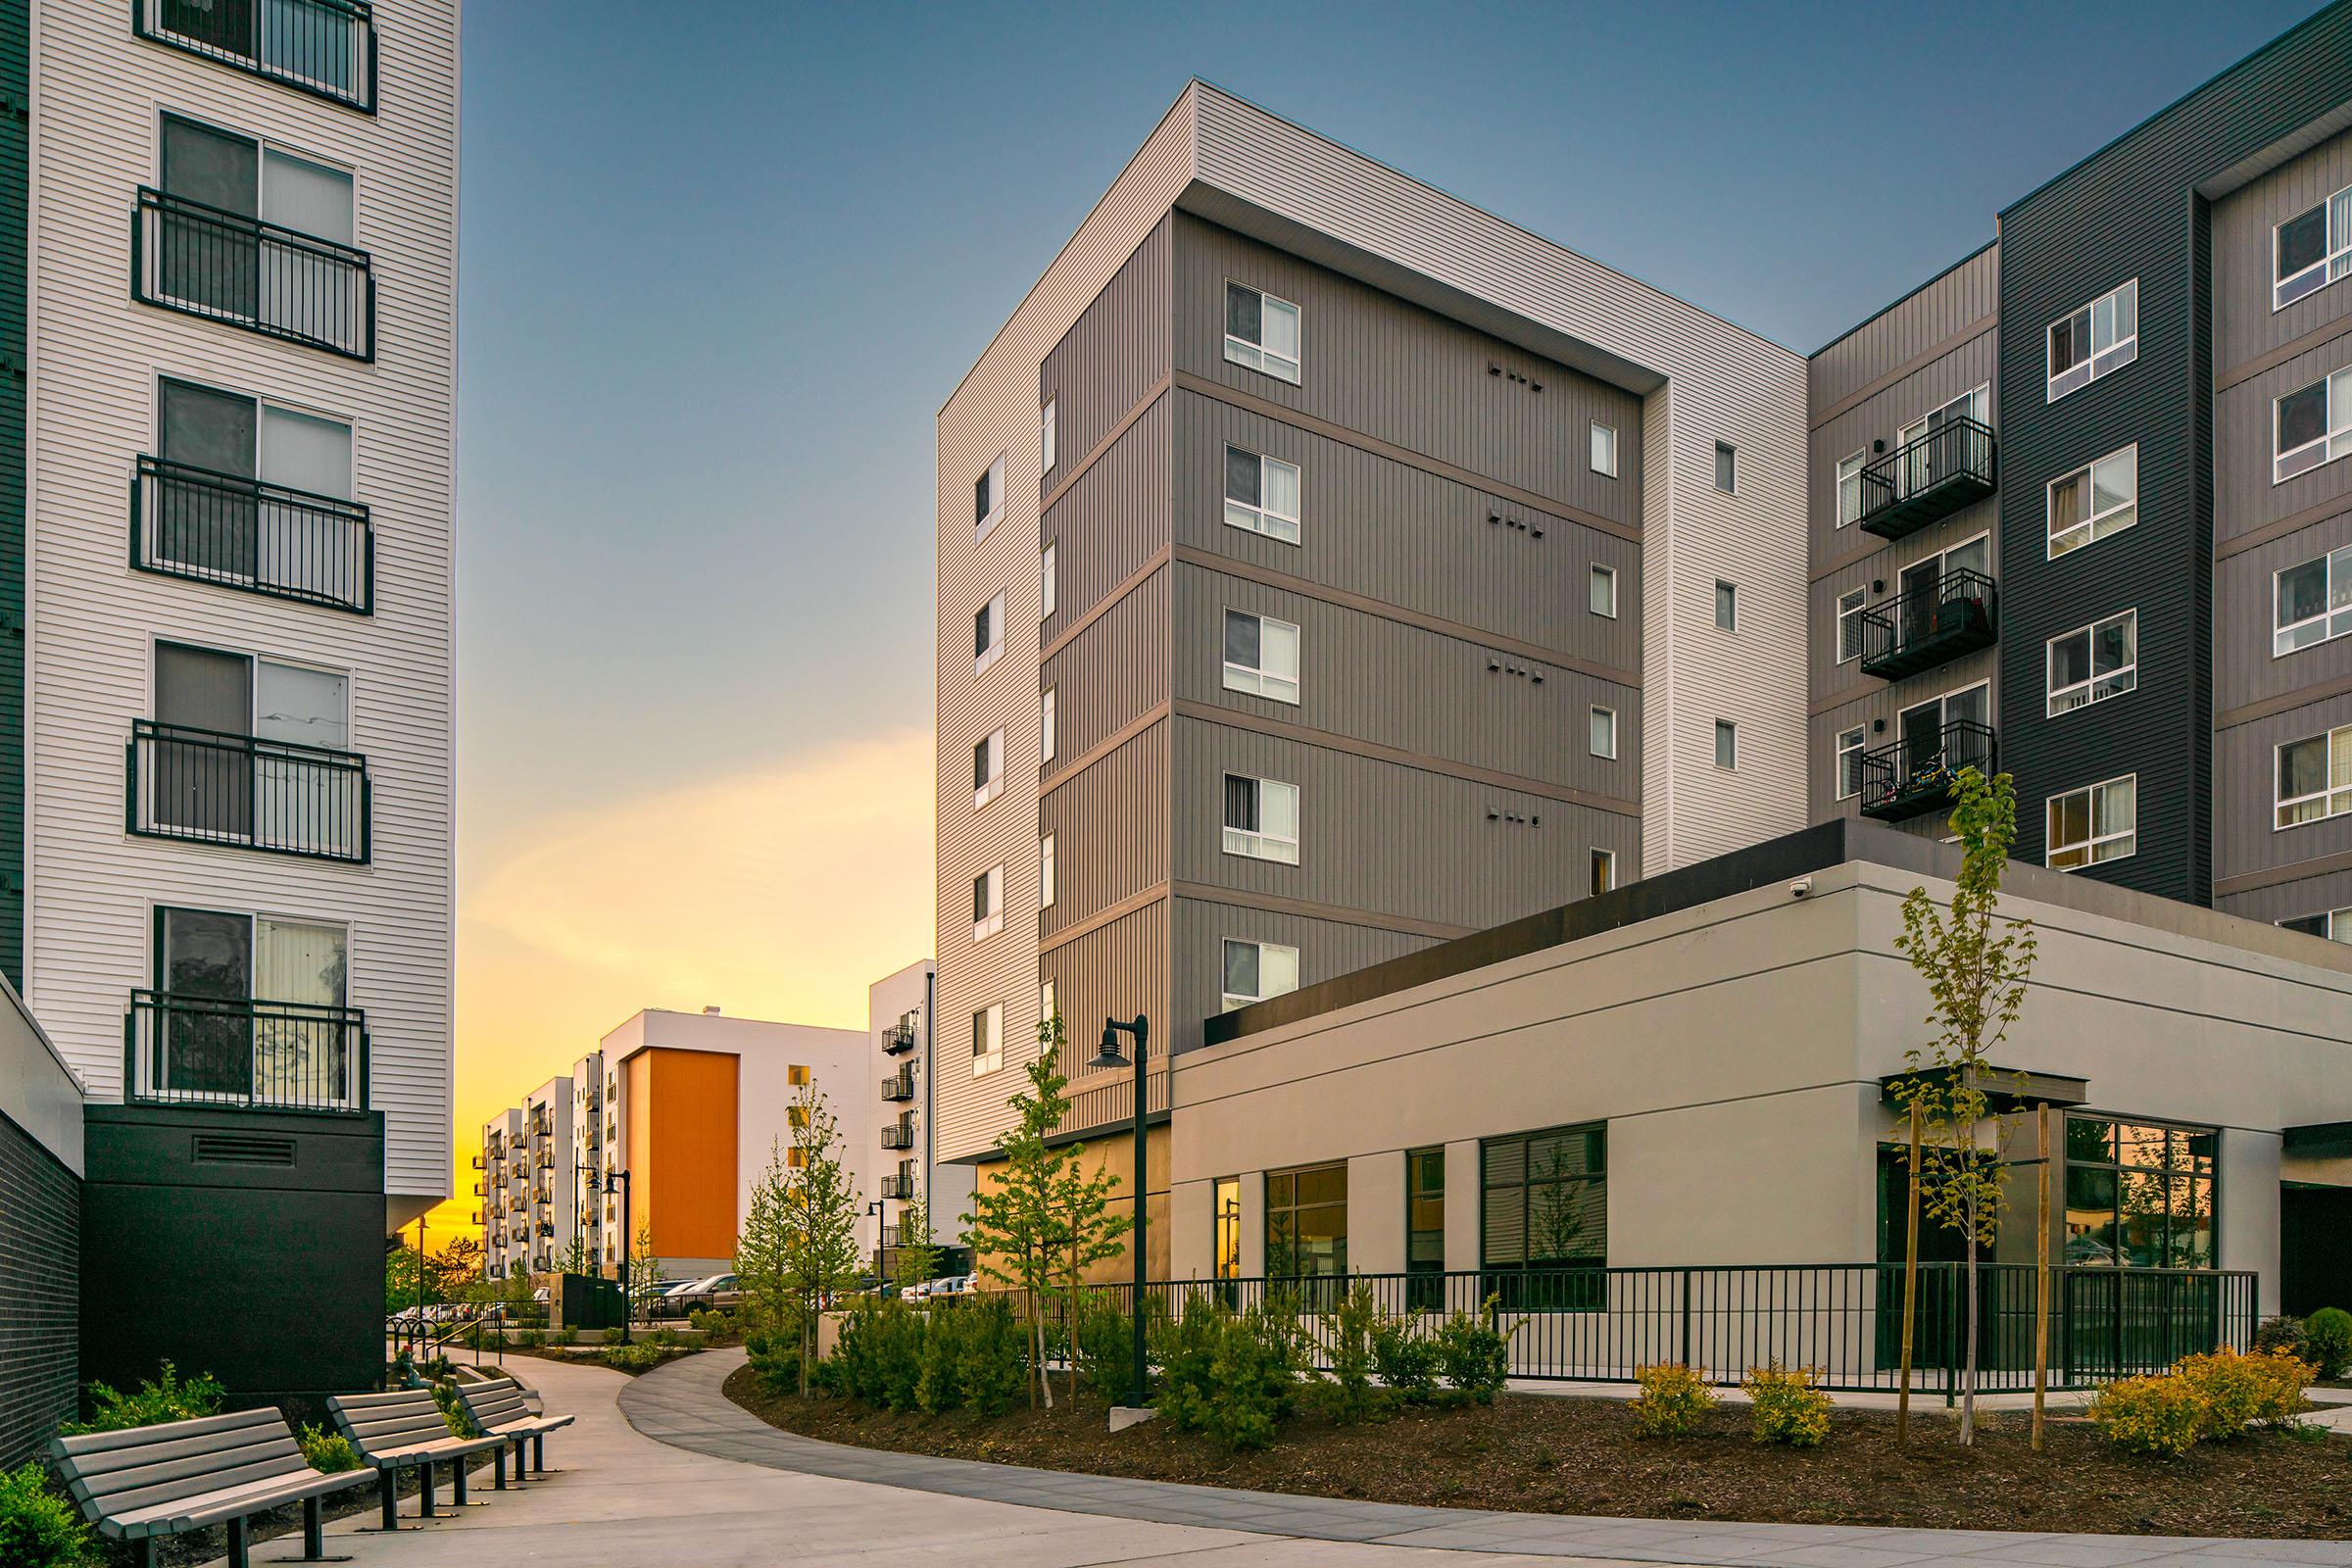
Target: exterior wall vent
{"x": 233, "y": 1148}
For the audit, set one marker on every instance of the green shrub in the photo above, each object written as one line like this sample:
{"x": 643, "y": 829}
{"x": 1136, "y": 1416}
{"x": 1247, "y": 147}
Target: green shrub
{"x": 170, "y": 1398}
{"x": 326, "y": 1451}
{"x": 563, "y": 1339}
{"x": 992, "y": 1366}
{"x": 1230, "y": 1375}
{"x": 639, "y": 1355}
{"x": 1405, "y": 1358}
{"x": 38, "y": 1528}
{"x": 881, "y": 1353}
{"x": 1347, "y": 1331}
{"x": 1105, "y": 1338}
{"x": 939, "y": 1387}
{"x": 2149, "y": 1415}
{"x": 776, "y": 1359}
{"x": 1474, "y": 1350}
{"x": 2281, "y": 1333}
{"x": 2328, "y": 1341}
{"x": 2284, "y": 1377}
{"x": 529, "y": 1339}
{"x": 453, "y": 1411}
{"x": 1673, "y": 1398}
{"x": 1185, "y": 1348}
{"x": 1788, "y": 1405}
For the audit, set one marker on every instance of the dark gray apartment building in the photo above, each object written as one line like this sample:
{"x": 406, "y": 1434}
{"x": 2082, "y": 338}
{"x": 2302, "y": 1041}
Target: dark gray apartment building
{"x": 2073, "y": 508}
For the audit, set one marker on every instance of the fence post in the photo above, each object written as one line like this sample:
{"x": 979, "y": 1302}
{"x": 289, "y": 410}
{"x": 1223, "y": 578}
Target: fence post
{"x": 1686, "y": 1317}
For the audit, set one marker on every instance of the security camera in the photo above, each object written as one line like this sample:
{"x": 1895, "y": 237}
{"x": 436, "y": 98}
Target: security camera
{"x": 1800, "y": 887}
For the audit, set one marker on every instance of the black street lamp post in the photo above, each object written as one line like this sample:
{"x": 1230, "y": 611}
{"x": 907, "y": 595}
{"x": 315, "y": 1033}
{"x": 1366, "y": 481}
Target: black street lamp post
{"x": 619, "y": 1181}
{"x": 1110, "y": 1055}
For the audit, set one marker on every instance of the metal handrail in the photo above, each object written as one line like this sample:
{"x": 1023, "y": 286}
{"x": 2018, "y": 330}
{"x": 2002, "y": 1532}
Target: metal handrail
{"x": 322, "y": 47}
{"x": 1918, "y": 614}
{"x": 206, "y": 261}
{"x": 213, "y": 787}
{"x": 1955, "y": 449}
{"x": 1891, "y": 773}
{"x": 255, "y": 1053}
{"x": 245, "y": 533}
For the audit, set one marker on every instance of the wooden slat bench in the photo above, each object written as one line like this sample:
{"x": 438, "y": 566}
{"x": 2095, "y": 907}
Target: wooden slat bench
{"x": 403, "y": 1430}
{"x": 141, "y": 1483}
{"x": 500, "y": 1406}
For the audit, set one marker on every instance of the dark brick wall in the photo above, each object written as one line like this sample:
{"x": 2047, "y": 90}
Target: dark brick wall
{"x": 40, "y": 1293}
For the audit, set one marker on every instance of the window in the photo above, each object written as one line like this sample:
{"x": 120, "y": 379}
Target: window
{"x": 1604, "y": 591}
{"x": 1261, "y": 332}
{"x": 2335, "y": 925}
{"x": 2311, "y": 603}
{"x": 1605, "y": 449}
{"x": 1727, "y": 468}
{"x": 1046, "y": 1007}
{"x": 988, "y": 1039}
{"x": 988, "y": 499}
{"x": 1046, "y": 436}
{"x": 326, "y": 49}
{"x": 1546, "y": 1208}
{"x": 2141, "y": 1195}
{"x": 987, "y": 903}
{"x": 2311, "y": 427}
{"x": 1227, "y": 1198}
{"x": 2094, "y": 824}
{"x": 2315, "y": 778}
{"x": 1306, "y": 1223}
{"x": 1045, "y": 872}
{"x": 1049, "y": 582}
{"x": 306, "y": 1054}
{"x": 1850, "y": 623}
{"x": 1605, "y": 870}
{"x": 2310, "y": 250}
{"x": 988, "y": 634}
{"x": 1261, "y": 656}
{"x": 1044, "y": 725}
{"x": 795, "y": 1157}
{"x": 987, "y": 769}
{"x": 2096, "y": 340}
{"x": 2091, "y": 503}
{"x": 1261, "y": 494}
{"x": 1849, "y": 487}
{"x": 250, "y": 751}
{"x": 2090, "y": 665}
{"x": 1261, "y": 819}
{"x": 795, "y": 1115}
{"x": 1256, "y": 970}
{"x": 1947, "y": 732}
{"x": 225, "y": 268}
{"x": 1849, "y": 762}
{"x": 1604, "y": 732}
{"x": 1423, "y": 1222}
{"x": 1727, "y": 606}
{"x": 1727, "y": 743}
{"x": 299, "y": 536}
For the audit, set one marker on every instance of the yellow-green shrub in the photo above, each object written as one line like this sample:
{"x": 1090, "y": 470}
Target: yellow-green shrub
{"x": 1789, "y": 1406}
{"x": 2149, "y": 1415}
{"x": 2283, "y": 1376}
{"x": 1673, "y": 1399}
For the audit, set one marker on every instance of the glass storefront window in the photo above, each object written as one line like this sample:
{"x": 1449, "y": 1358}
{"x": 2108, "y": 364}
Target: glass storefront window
{"x": 2140, "y": 1195}
{"x": 1229, "y": 1227}
{"x": 1307, "y": 1222}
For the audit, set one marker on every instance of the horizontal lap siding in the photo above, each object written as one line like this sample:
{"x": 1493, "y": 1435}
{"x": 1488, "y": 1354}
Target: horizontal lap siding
{"x": 1937, "y": 311}
{"x": 1108, "y": 521}
{"x": 96, "y": 356}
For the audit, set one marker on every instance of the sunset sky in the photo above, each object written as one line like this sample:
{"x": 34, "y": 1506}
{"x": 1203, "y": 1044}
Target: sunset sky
{"x": 723, "y": 262}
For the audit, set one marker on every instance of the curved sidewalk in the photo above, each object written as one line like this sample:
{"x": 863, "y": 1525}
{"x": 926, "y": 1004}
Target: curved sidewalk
{"x": 682, "y": 1404}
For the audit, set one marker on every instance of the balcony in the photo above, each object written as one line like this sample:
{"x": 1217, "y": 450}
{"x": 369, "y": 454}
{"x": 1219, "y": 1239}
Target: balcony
{"x": 478, "y": 1163}
{"x": 206, "y": 261}
{"x": 1914, "y": 776}
{"x": 898, "y": 1186}
{"x": 1927, "y": 478}
{"x": 897, "y": 1135}
{"x": 1930, "y": 624}
{"x": 480, "y": 1189}
{"x": 322, "y": 47}
{"x": 900, "y": 1084}
{"x": 263, "y": 1056}
{"x": 898, "y": 1039}
{"x": 258, "y": 538}
{"x": 209, "y": 787}
{"x": 477, "y": 1216}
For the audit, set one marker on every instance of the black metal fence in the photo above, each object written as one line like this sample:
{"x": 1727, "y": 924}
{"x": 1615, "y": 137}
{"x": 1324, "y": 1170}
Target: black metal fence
{"x": 1928, "y": 476}
{"x": 213, "y": 788}
{"x": 187, "y": 521}
{"x": 1957, "y": 606}
{"x": 277, "y": 1055}
{"x": 227, "y": 267}
{"x": 325, "y": 47}
{"x": 1915, "y": 774}
{"x": 1600, "y": 1324}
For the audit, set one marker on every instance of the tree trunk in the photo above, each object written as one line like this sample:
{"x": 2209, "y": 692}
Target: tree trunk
{"x": 1902, "y": 1406}
{"x": 1968, "y": 1380}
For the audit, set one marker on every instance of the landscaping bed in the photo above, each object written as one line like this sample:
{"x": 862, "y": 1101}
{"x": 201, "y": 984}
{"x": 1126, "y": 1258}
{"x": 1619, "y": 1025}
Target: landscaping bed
{"x": 1553, "y": 1455}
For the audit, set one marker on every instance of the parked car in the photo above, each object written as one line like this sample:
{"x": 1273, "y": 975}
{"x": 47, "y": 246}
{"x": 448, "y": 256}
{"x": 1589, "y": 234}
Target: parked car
{"x": 951, "y": 1285}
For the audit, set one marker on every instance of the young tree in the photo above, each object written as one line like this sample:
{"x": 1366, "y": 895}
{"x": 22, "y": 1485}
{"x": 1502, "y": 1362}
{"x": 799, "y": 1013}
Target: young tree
{"x": 759, "y": 1268}
{"x": 1091, "y": 1234}
{"x": 576, "y": 1258}
{"x": 645, "y": 1272}
{"x": 818, "y": 1239}
{"x": 916, "y": 1257}
{"x": 1976, "y": 965}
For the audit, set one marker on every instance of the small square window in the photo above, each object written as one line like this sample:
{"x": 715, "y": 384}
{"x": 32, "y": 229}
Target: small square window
{"x": 1604, "y": 591}
{"x": 1046, "y": 437}
{"x": 988, "y": 499}
{"x": 1727, "y": 468}
{"x": 1261, "y": 332}
{"x": 1605, "y": 870}
{"x": 1605, "y": 449}
{"x": 1727, "y": 743}
{"x": 1261, "y": 495}
{"x": 1049, "y": 581}
{"x": 1256, "y": 970}
{"x": 1604, "y": 732}
{"x": 2094, "y": 824}
{"x": 1261, "y": 819}
{"x": 1727, "y": 606}
{"x": 1261, "y": 656}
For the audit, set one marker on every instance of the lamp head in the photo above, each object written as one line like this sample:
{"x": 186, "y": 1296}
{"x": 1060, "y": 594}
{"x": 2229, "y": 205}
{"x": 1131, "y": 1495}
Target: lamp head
{"x": 1108, "y": 1054}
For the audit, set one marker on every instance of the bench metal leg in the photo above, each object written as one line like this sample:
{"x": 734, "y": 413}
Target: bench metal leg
{"x": 498, "y": 1468}
{"x": 142, "y": 1552}
{"x": 424, "y": 1490}
{"x": 313, "y": 1531}
{"x": 523, "y": 1458}
{"x": 539, "y": 1454}
{"x": 457, "y": 1479}
{"x": 387, "y": 1485}
{"x": 240, "y": 1553}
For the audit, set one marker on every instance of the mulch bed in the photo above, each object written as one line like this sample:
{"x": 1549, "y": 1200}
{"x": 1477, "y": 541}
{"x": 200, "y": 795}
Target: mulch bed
{"x": 1540, "y": 1454}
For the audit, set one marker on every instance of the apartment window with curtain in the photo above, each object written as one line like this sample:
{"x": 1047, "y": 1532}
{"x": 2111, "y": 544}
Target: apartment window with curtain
{"x": 2089, "y": 825}
{"x": 2311, "y": 425}
{"x": 250, "y": 751}
{"x": 218, "y": 266}
{"x": 2311, "y": 601}
{"x": 2094, "y": 662}
{"x": 987, "y": 903}
{"x": 205, "y": 959}
{"x": 2100, "y": 499}
{"x": 2315, "y": 778}
{"x": 1256, "y": 970}
{"x": 2094, "y": 341}
{"x": 1261, "y": 332}
{"x": 987, "y": 769}
{"x": 1262, "y": 818}
{"x": 1261, "y": 495}
{"x": 1261, "y": 656}
{"x": 1306, "y": 1223}
{"x": 2310, "y": 250}
{"x": 251, "y": 494}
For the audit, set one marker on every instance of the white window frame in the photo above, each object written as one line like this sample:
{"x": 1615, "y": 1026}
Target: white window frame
{"x": 1262, "y": 518}
{"x": 993, "y": 477}
{"x": 2090, "y": 849}
{"x": 1256, "y": 356}
{"x": 1236, "y": 999}
{"x": 2336, "y": 924}
{"x": 2096, "y": 362}
{"x": 1600, "y": 728}
{"x": 1049, "y": 436}
{"x": 2333, "y": 441}
{"x": 987, "y": 657}
{"x": 988, "y": 1039}
{"x": 1852, "y": 742}
{"x": 2334, "y": 618}
{"x": 2334, "y": 799}
{"x": 2120, "y": 682}
{"x": 1601, "y": 574}
{"x": 2336, "y": 259}
{"x": 990, "y": 923}
{"x": 1046, "y": 725}
{"x": 1049, "y": 579}
{"x": 988, "y": 788}
{"x": 1260, "y": 681}
{"x": 1849, "y": 482}
{"x": 1849, "y": 607}
{"x": 1604, "y": 862}
{"x": 1256, "y": 844}
{"x": 1727, "y": 606}
{"x": 1724, "y": 449}
{"x": 1725, "y": 728}
{"x": 1044, "y": 872}
{"x": 1605, "y": 449}
{"x": 1047, "y": 1003}
{"x": 2095, "y": 525}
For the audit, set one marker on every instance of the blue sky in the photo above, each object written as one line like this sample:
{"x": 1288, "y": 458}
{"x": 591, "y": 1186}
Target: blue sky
{"x": 722, "y": 262}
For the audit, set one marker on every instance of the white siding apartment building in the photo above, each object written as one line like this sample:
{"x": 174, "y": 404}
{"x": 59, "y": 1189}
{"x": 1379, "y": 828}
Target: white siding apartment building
{"x": 903, "y": 1067}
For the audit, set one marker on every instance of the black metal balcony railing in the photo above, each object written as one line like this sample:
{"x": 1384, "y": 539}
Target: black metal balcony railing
{"x": 889, "y": 1236}
{"x": 900, "y": 1187}
{"x": 1929, "y": 624}
{"x": 481, "y": 1189}
{"x": 215, "y": 788}
{"x": 899, "y": 1085}
{"x": 213, "y": 1051}
{"x": 897, "y": 1135}
{"x": 1928, "y": 477}
{"x": 898, "y": 1039}
{"x": 225, "y": 266}
{"x": 1912, "y": 777}
{"x": 322, "y": 47}
{"x": 241, "y": 533}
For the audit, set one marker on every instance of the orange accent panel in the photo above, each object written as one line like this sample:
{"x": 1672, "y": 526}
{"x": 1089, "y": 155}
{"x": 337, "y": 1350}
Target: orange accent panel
{"x": 682, "y": 1137}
